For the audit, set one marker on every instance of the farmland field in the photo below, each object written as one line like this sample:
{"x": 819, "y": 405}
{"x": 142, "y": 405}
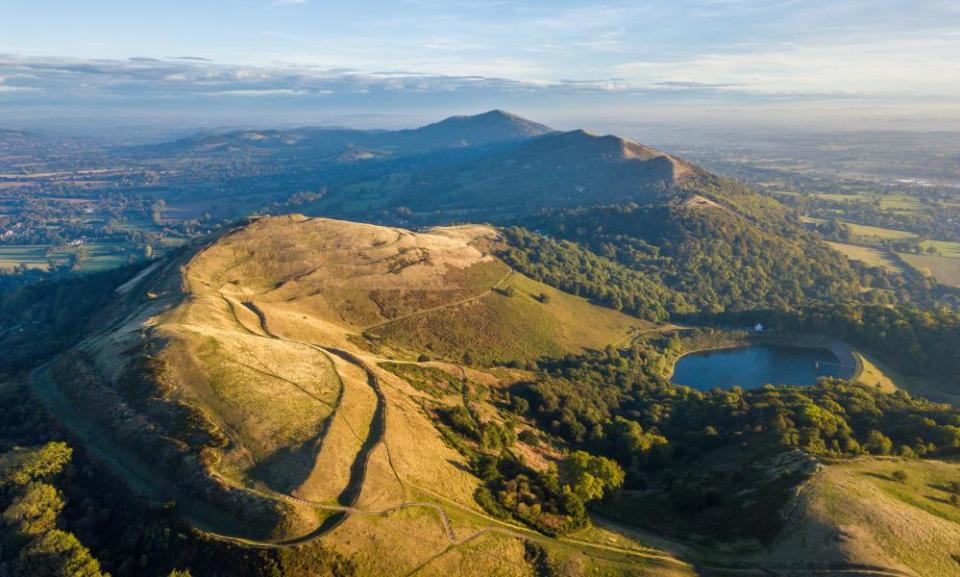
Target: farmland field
{"x": 862, "y": 230}
{"x": 100, "y": 256}
{"x": 944, "y": 269}
{"x": 841, "y": 197}
{"x": 900, "y": 202}
{"x": 867, "y": 255}
{"x": 944, "y": 247}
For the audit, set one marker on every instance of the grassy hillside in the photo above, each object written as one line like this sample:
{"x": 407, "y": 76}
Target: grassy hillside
{"x": 519, "y": 321}
{"x": 235, "y": 368}
{"x": 894, "y": 514}
{"x": 273, "y": 383}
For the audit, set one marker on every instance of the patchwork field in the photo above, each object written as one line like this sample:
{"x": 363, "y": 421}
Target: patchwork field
{"x": 867, "y": 255}
{"x": 945, "y": 270}
{"x": 944, "y": 247}
{"x": 100, "y": 256}
{"x": 864, "y": 231}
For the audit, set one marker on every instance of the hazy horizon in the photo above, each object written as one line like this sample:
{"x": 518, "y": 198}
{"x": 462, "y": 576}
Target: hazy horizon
{"x": 817, "y": 65}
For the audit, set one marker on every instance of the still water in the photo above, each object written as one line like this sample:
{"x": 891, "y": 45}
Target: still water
{"x": 753, "y": 367}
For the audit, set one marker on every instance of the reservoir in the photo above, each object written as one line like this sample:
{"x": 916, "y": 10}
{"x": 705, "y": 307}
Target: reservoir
{"x": 755, "y": 366}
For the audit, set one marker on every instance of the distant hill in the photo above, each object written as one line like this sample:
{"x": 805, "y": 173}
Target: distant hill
{"x": 338, "y": 144}
{"x": 560, "y": 169}
{"x": 493, "y": 127}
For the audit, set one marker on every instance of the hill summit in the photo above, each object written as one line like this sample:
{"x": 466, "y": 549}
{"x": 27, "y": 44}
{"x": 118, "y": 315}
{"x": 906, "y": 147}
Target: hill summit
{"x": 491, "y": 127}
{"x": 251, "y": 370}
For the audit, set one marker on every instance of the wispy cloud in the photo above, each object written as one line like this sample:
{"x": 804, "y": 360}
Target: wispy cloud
{"x": 151, "y": 77}
{"x": 429, "y": 53}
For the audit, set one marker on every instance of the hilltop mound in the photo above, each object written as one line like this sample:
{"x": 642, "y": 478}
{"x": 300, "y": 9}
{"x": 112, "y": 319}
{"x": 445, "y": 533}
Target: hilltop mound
{"x": 490, "y": 127}
{"x": 334, "y": 144}
{"x": 304, "y": 378}
{"x": 245, "y": 369}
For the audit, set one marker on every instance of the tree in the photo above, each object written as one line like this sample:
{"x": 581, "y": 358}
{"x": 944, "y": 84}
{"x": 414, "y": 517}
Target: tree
{"x": 878, "y": 443}
{"x": 589, "y": 477}
{"x": 21, "y": 466}
{"x": 57, "y": 553}
{"x": 35, "y": 512}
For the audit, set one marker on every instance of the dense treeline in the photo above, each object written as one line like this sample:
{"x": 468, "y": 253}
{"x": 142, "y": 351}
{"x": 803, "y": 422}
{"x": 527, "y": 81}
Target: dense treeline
{"x": 613, "y": 403}
{"x": 571, "y": 268}
{"x": 32, "y": 543}
{"x": 43, "y": 318}
{"x": 716, "y": 259}
{"x": 916, "y": 341}
{"x": 553, "y": 501}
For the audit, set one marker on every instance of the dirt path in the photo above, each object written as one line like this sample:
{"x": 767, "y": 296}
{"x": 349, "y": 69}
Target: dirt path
{"x": 633, "y": 336}
{"x": 350, "y": 494}
{"x": 473, "y": 298}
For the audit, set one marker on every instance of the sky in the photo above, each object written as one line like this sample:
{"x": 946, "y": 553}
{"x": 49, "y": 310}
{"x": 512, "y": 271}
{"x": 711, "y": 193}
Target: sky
{"x": 801, "y": 63}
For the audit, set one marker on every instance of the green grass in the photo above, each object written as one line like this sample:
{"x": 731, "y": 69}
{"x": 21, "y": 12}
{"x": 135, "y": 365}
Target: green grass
{"x": 501, "y": 328}
{"x": 102, "y": 256}
{"x": 944, "y": 247}
{"x": 493, "y": 328}
{"x": 867, "y": 255}
{"x": 841, "y": 197}
{"x": 911, "y": 518}
{"x": 431, "y": 380}
{"x": 900, "y": 203}
{"x": 863, "y": 230}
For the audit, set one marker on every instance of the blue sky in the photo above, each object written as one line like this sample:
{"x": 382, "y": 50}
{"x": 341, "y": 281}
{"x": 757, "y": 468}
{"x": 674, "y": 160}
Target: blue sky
{"x": 846, "y": 62}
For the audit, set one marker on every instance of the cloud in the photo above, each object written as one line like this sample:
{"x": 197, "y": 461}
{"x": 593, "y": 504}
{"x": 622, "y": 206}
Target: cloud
{"x": 182, "y": 77}
{"x": 204, "y": 90}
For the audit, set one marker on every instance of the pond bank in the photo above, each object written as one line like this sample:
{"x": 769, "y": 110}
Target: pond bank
{"x": 848, "y": 361}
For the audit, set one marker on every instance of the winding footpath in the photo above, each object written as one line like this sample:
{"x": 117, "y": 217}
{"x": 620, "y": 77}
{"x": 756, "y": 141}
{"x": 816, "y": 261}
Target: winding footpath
{"x": 350, "y": 494}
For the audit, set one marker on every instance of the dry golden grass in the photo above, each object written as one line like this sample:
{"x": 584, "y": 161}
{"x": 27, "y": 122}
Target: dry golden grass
{"x": 242, "y": 328}
{"x": 418, "y": 452}
{"x": 945, "y": 270}
{"x": 856, "y": 514}
{"x": 873, "y": 375}
{"x": 489, "y": 554}
{"x": 394, "y": 544}
{"x": 343, "y": 439}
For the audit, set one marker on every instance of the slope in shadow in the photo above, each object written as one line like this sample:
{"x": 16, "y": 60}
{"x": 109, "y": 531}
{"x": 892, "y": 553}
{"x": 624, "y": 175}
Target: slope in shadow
{"x": 351, "y": 492}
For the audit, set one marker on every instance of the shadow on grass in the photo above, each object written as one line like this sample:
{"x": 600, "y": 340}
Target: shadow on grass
{"x": 937, "y": 499}
{"x": 944, "y": 488}
{"x": 880, "y": 476}
{"x": 460, "y": 466}
{"x": 289, "y": 468}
